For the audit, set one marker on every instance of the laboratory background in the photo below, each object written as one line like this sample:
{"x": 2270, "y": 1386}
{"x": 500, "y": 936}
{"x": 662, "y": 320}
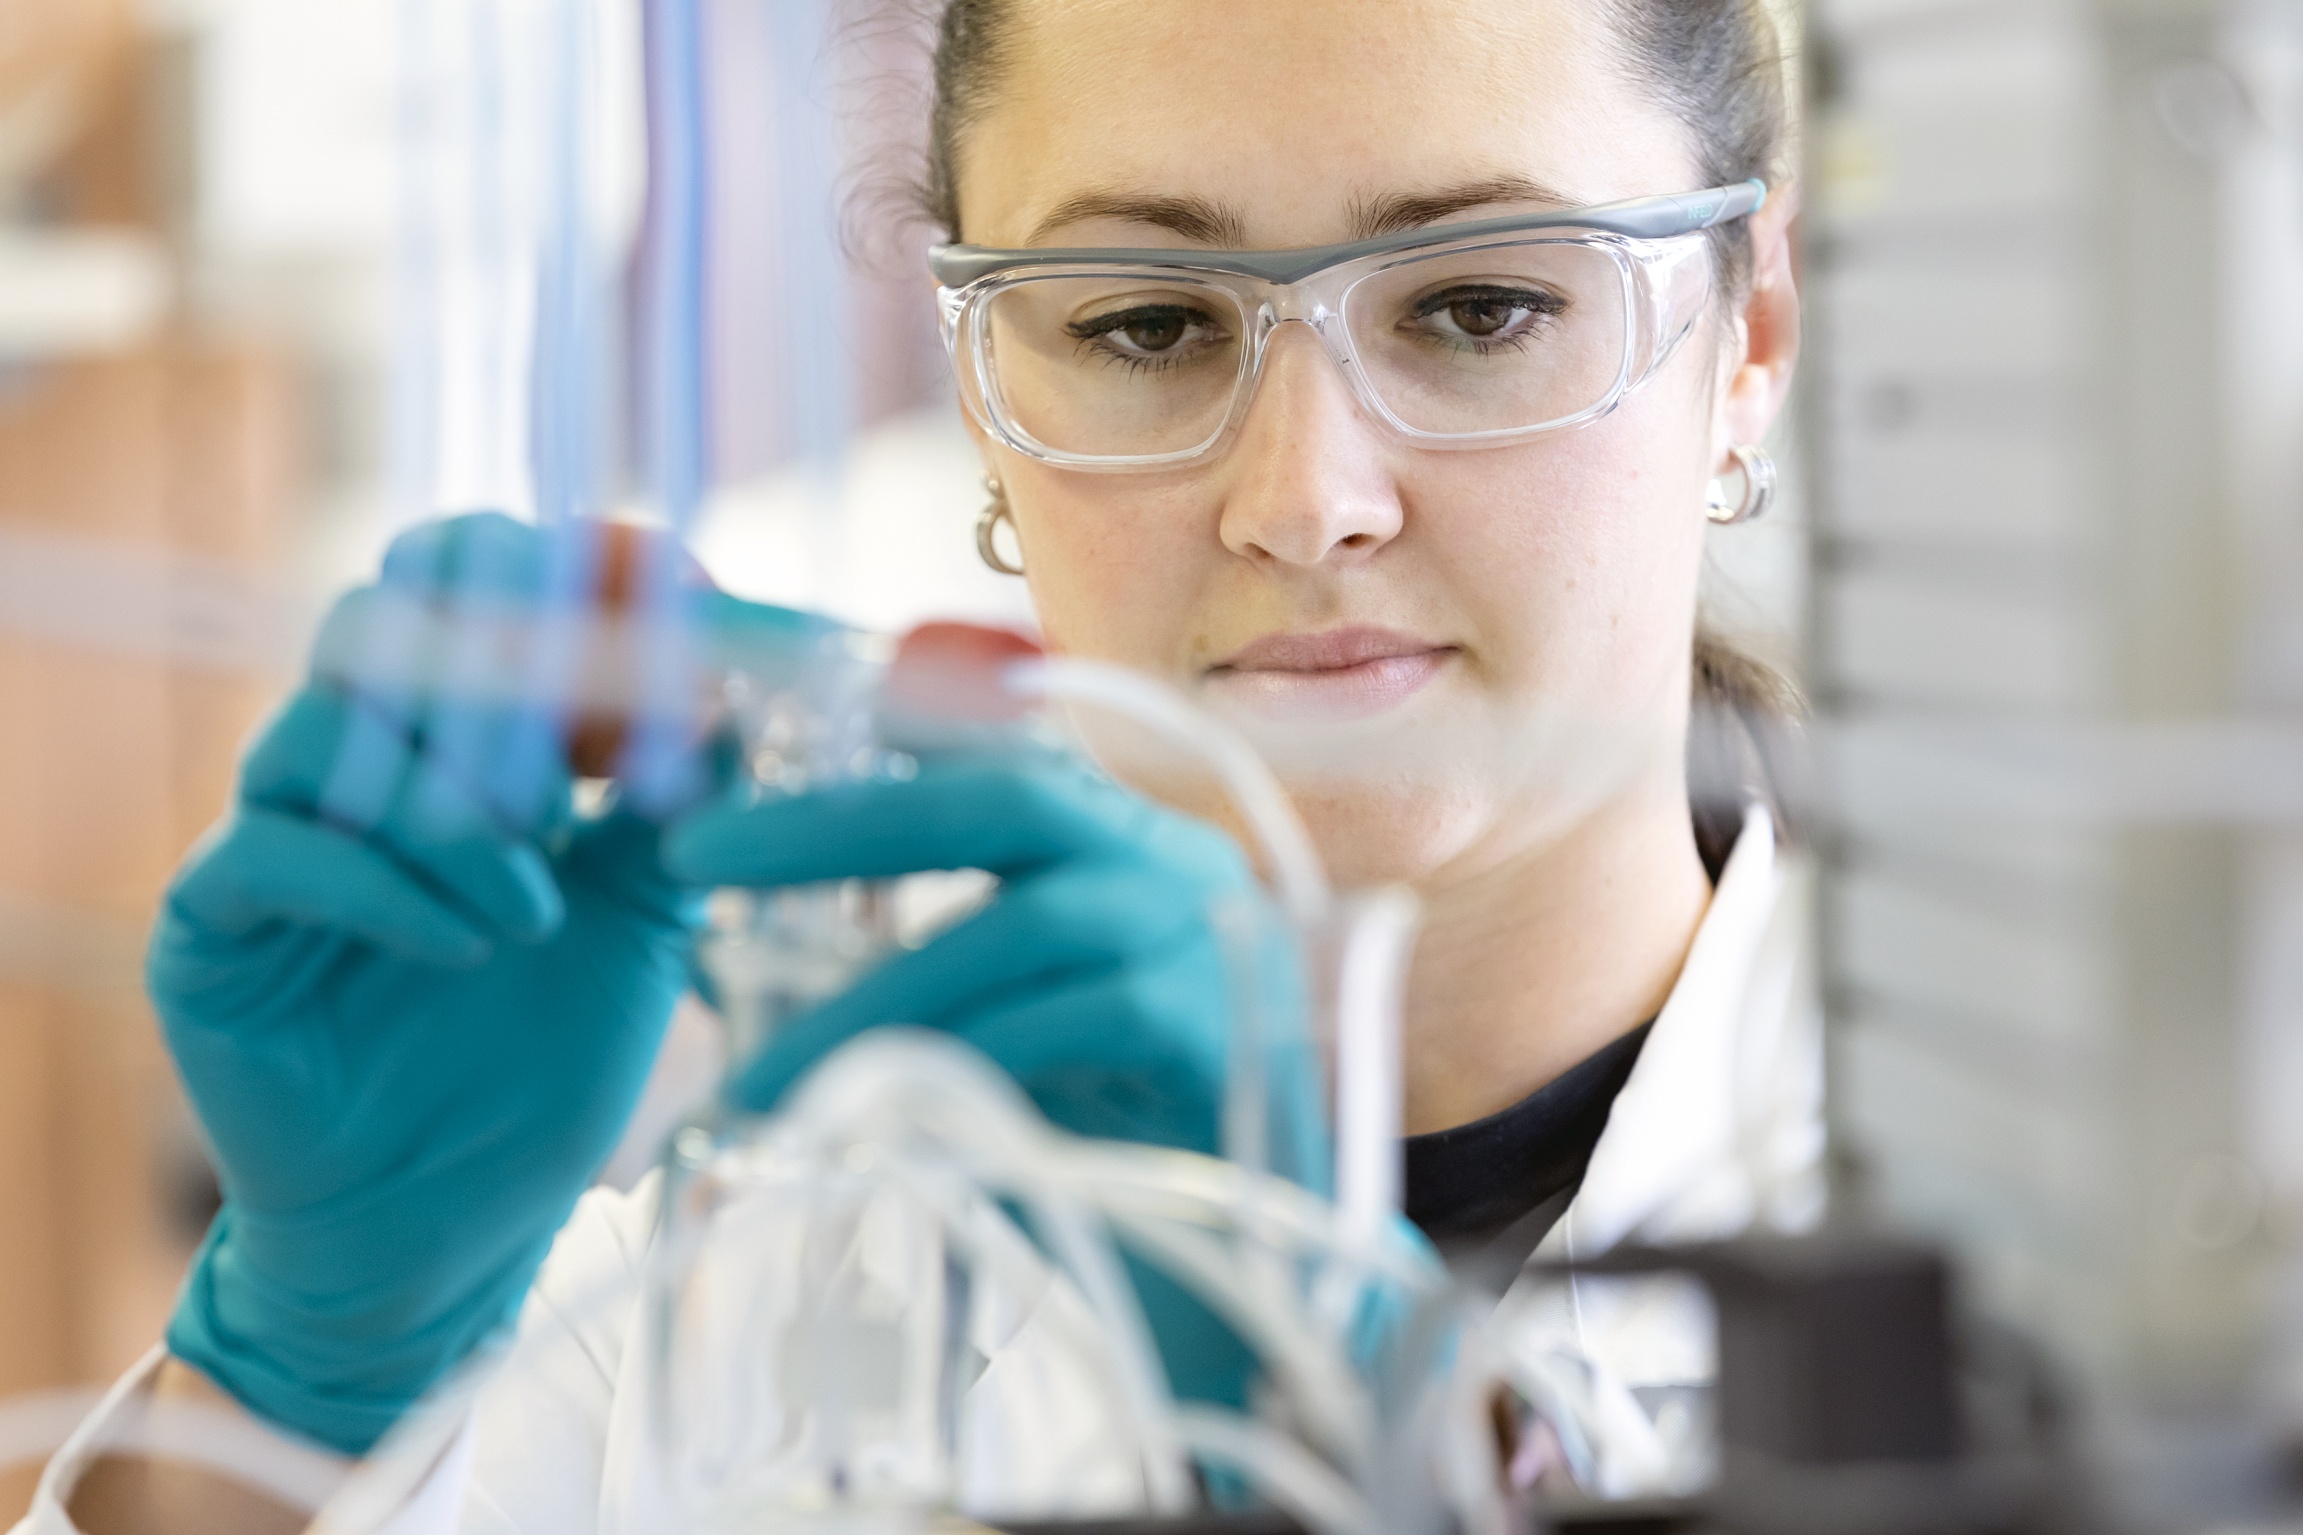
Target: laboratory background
{"x": 277, "y": 278}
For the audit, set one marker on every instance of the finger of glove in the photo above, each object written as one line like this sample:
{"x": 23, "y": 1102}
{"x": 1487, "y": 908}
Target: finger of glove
{"x": 1146, "y": 1054}
{"x": 1084, "y": 919}
{"x": 348, "y": 764}
{"x": 1006, "y": 815}
{"x": 526, "y": 614}
{"x": 1136, "y": 1054}
{"x": 470, "y": 642}
{"x": 296, "y": 752}
{"x": 1167, "y": 1010}
{"x": 483, "y": 550}
{"x": 618, "y": 857}
{"x": 434, "y": 824}
{"x": 412, "y": 680}
{"x": 741, "y": 632}
{"x": 515, "y": 604}
{"x": 1092, "y": 916}
{"x": 270, "y": 867}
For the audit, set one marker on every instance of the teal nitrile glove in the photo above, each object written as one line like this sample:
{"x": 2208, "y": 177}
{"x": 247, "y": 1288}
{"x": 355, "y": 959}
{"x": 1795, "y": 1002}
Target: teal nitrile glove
{"x": 1096, "y": 976}
{"x": 412, "y": 994}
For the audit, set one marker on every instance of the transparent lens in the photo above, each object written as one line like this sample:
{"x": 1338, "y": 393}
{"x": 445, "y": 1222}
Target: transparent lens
{"x": 1114, "y": 365}
{"x": 1457, "y": 343}
{"x": 1495, "y": 339}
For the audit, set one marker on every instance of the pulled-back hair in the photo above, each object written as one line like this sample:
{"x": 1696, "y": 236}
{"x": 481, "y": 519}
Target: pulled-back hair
{"x": 1718, "y": 66}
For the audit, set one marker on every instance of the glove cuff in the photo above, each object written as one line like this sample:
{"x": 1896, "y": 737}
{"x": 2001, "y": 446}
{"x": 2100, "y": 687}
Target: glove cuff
{"x": 334, "y": 1375}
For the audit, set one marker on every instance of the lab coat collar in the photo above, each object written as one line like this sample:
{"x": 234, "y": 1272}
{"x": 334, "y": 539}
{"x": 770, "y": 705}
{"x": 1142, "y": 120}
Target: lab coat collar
{"x": 1722, "y": 1107}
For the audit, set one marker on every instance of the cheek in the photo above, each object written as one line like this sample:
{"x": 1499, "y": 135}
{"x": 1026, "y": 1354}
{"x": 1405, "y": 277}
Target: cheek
{"x": 1577, "y": 556}
{"x": 1113, "y": 566}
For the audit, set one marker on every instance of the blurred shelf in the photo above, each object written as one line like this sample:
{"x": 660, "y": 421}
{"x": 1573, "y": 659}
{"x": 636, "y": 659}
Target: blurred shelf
{"x": 70, "y": 292}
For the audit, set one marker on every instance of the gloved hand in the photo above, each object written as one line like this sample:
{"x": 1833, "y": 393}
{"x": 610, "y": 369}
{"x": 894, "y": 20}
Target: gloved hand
{"x": 1096, "y": 976}
{"x": 412, "y": 994}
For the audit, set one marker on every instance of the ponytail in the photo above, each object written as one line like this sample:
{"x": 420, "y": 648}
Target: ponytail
{"x": 1742, "y": 747}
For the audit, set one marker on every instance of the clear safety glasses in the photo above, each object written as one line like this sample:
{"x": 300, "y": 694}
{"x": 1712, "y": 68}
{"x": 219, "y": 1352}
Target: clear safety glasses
{"x": 1456, "y": 335}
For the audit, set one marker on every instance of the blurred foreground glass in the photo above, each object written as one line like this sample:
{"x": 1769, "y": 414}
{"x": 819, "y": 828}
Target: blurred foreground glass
{"x": 1462, "y": 335}
{"x": 906, "y": 1294}
{"x": 903, "y": 1292}
{"x": 772, "y": 954}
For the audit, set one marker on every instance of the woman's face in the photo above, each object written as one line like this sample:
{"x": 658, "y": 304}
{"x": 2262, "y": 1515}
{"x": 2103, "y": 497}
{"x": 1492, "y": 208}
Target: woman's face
{"x": 1528, "y": 609}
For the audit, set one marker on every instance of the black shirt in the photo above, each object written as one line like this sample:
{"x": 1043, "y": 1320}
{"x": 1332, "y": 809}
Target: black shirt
{"x": 1486, "y": 1192}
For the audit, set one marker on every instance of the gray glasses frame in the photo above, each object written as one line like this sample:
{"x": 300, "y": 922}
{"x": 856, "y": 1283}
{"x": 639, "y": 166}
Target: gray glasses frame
{"x": 1642, "y": 218}
{"x": 1636, "y": 235}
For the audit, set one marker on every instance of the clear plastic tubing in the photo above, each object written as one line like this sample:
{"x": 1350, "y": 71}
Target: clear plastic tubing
{"x": 1271, "y": 819}
{"x": 1370, "y": 987}
{"x": 1373, "y": 934}
{"x": 1376, "y": 932}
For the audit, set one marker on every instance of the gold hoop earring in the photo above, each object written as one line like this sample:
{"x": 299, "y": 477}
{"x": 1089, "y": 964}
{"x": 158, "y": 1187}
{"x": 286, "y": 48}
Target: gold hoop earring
{"x": 1758, "y": 490}
{"x": 988, "y": 520}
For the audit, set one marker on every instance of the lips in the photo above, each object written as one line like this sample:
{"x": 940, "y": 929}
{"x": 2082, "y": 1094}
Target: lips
{"x": 1340, "y": 673}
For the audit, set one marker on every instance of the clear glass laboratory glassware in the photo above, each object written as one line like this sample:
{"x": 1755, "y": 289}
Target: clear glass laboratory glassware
{"x": 772, "y": 954}
{"x": 800, "y": 1288}
{"x": 830, "y": 1279}
{"x": 1617, "y": 1374}
{"x": 829, "y": 1284}
{"x": 807, "y": 1338}
{"x": 902, "y": 1295}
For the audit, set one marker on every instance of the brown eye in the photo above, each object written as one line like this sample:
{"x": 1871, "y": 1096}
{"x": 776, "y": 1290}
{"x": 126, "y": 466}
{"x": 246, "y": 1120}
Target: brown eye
{"x": 1481, "y": 317}
{"x": 1146, "y": 331}
{"x": 1484, "y": 313}
{"x": 1154, "y": 332}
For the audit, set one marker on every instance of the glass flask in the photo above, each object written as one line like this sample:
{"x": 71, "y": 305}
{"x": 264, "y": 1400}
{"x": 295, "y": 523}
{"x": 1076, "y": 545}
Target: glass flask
{"x": 771, "y": 954}
{"x": 905, "y": 1296}
{"x": 830, "y": 1286}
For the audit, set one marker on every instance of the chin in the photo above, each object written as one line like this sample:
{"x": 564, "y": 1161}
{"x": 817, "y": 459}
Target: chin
{"x": 1421, "y": 792}
{"x": 1396, "y": 833}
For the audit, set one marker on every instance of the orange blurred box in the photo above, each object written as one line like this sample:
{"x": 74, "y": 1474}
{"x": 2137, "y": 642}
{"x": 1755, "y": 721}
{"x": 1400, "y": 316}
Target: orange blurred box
{"x": 181, "y": 457}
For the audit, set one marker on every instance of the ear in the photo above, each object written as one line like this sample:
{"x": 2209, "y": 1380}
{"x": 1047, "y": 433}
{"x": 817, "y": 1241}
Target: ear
{"x": 1767, "y": 324}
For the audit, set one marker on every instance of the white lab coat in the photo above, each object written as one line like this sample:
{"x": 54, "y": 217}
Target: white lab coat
{"x": 1717, "y": 1129}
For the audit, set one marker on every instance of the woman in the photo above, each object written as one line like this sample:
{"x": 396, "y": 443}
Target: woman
{"x": 1453, "y": 522}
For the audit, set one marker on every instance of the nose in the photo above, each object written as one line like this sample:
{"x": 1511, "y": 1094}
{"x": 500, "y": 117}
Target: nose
{"x": 1310, "y": 481}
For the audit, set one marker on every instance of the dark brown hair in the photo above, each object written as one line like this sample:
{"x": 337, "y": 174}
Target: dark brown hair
{"x": 1718, "y": 66}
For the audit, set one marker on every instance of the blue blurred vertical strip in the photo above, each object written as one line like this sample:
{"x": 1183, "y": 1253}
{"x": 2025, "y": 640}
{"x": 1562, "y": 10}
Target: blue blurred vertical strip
{"x": 567, "y": 381}
{"x": 490, "y": 204}
{"x": 657, "y": 770}
{"x": 783, "y": 341}
{"x": 815, "y": 304}
{"x": 569, "y": 417}
{"x": 371, "y": 759}
{"x": 415, "y": 381}
{"x": 675, "y": 261}
{"x": 815, "y": 300}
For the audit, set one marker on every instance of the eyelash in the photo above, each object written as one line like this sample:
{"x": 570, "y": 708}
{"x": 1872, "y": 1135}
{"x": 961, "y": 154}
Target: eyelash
{"x": 1545, "y": 306}
{"x": 1090, "y": 332}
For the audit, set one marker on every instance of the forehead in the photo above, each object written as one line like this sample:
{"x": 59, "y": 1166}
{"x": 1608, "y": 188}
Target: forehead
{"x": 1296, "y": 113}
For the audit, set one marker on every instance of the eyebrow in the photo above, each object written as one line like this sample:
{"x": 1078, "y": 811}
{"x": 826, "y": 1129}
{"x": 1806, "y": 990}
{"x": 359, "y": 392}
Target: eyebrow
{"x": 1397, "y": 212}
{"x": 1207, "y": 222}
{"x": 1195, "y": 218}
